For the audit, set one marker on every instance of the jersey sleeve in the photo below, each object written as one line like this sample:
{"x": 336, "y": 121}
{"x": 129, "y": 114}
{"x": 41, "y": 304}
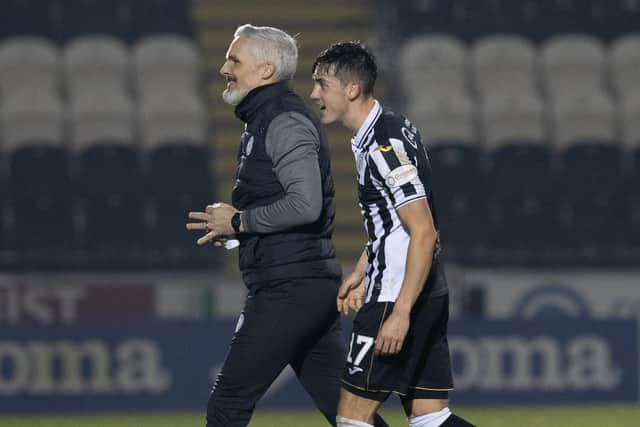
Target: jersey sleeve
{"x": 395, "y": 167}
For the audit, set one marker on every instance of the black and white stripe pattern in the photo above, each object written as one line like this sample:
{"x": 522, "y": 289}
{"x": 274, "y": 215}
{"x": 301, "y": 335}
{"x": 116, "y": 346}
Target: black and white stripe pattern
{"x": 379, "y": 157}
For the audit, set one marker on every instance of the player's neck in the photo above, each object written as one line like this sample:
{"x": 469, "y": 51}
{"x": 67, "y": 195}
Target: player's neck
{"x": 358, "y": 113}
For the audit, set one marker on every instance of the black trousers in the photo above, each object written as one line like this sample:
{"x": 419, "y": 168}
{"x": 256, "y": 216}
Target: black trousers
{"x": 283, "y": 323}
{"x": 292, "y": 322}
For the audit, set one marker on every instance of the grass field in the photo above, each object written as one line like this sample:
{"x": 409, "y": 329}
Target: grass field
{"x": 529, "y": 416}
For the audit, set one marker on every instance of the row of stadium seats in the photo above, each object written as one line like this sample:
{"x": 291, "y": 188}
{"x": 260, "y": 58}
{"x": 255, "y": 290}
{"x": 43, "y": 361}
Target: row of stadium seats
{"x": 103, "y": 145}
{"x": 101, "y": 96}
{"x": 62, "y": 20}
{"x": 115, "y": 207}
{"x": 502, "y": 62}
{"x": 524, "y": 203}
{"x": 502, "y": 89}
{"x": 537, "y": 19}
{"x": 108, "y": 207}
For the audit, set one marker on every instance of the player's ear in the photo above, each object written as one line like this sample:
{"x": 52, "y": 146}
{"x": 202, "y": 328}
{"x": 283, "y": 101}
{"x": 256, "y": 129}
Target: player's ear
{"x": 353, "y": 91}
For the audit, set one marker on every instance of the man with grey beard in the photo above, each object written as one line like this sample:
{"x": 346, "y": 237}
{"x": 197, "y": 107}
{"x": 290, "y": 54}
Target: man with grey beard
{"x": 282, "y": 214}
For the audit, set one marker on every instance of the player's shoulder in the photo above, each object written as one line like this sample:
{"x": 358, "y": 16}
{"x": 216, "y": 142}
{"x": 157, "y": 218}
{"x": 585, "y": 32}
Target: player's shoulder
{"x": 393, "y": 125}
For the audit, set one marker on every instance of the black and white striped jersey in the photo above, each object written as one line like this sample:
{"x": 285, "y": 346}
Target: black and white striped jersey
{"x": 393, "y": 170}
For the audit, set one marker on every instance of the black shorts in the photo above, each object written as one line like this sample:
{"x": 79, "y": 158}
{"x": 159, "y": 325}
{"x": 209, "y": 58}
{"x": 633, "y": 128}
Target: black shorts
{"x": 422, "y": 369}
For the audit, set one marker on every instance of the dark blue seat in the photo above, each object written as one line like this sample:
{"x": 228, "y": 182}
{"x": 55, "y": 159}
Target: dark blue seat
{"x": 591, "y": 180}
{"x": 109, "y": 194}
{"x": 162, "y": 16}
{"x": 617, "y": 17}
{"x": 109, "y": 168}
{"x": 179, "y": 180}
{"x": 471, "y": 19}
{"x": 520, "y": 169}
{"x": 85, "y": 17}
{"x": 176, "y": 168}
{"x": 516, "y": 17}
{"x": 563, "y": 16}
{"x": 40, "y": 193}
{"x": 590, "y": 169}
{"x": 456, "y": 174}
{"x": 27, "y": 17}
{"x": 631, "y": 197}
{"x": 169, "y": 243}
{"x": 38, "y": 168}
{"x": 5, "y": 240}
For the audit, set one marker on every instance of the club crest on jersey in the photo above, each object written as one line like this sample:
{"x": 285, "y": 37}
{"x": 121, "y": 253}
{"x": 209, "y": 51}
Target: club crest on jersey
{"x": 401, "y": 175}
{"x": 409, "y": 136}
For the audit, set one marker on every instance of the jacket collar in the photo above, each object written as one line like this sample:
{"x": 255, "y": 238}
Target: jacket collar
{"x": 257, "y": 97}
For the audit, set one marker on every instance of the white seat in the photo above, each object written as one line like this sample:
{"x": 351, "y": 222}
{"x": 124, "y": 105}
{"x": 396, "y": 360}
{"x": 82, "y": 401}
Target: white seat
{"x": 28, "y": 62}
{"x": 96, "y": 62}
{"x": 164, "y": 60}
{"x": 168, "y": 116}
{"x": 512, "y": 118}
{"x": 32, "y": 116}
{"x": 584, "y": 117}
{"x": 433, "y": 64}
{"x": 101, "y": 116}
{"x": 624, "y": 58}
{"x": 503, "y": 63}
{"x": 444, "y": 118}
{"x": 629, "y": 114}
{"x": 573, "y": 63}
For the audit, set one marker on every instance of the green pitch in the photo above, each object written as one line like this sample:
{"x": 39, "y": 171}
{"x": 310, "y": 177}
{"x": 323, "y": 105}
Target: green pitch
{"x": 530, "y": 416}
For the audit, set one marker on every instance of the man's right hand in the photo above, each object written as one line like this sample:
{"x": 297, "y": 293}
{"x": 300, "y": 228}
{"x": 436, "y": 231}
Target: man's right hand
{"x": 351, "y": 293}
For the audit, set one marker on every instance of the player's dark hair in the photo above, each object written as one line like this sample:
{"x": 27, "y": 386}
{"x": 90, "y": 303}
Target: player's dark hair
{"x": 349, "y": 61}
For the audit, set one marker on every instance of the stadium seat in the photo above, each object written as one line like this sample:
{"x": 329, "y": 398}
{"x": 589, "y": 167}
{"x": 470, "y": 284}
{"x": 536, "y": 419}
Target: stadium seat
{"x": 160, "y": 17}
{"x": 519, "y": 182}
{"x": 100, "y": 115}
{"x": 471, "y": 19}
{"x": 40, "y": 191}
{"x": 163, "y": 61}
{"x": 629, "y": 119}
{"x": 457, "y": 175}
{"x": 174, "y": 168}
{"x": 27, "y": 18}
{"x": 573, "y": 63}
{"x": 443, "y": 118}
{"x": 109, "y": 192}
{"x": 433, "y": 65}
{"x": 619, "y": 17}
{"x": 564, "y": 16}
{"x": 172, "y": 116}
{"x": 503, "y": 63}
{"x": 582, "y": 117}
{"x": 428, "y": 16}
{"x": 512, "y": 117}
{"x": 591, "y": 181}
{"x": 624, "y": 58}
{"x": 28, "y": 63}
{"x": 94, "y": 17}
{"x": 94, "y": 63}
{"x": 518, "y": 17}
{"x": 28, "y": 116}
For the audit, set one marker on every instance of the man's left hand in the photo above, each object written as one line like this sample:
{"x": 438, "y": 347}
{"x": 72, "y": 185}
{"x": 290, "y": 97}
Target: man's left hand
{"x": 216, "y": 220}
{"x": 392, "y": 334}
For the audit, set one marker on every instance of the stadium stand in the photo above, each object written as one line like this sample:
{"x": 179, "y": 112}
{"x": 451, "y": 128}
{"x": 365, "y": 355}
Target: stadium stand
{"x": 553, "y": 92}
{"x": 103, "y": 134}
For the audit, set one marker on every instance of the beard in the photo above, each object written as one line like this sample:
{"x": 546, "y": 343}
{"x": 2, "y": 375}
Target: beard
{"x": 234, "y": 96}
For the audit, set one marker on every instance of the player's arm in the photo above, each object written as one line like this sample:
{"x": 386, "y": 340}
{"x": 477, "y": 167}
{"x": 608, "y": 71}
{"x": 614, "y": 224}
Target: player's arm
{"x": 418, "y": 221}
